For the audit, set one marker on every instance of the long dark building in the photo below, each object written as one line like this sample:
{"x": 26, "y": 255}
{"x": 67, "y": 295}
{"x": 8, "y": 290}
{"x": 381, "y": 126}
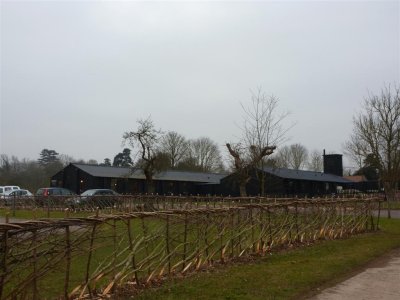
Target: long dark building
{"x": 278, "y": 181}
{"x": 81, "y": 177}
{"x": 281, "y": 182}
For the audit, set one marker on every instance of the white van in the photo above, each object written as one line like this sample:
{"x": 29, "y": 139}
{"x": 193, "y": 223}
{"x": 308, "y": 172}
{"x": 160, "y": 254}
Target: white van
{"x": 8, "y": 188}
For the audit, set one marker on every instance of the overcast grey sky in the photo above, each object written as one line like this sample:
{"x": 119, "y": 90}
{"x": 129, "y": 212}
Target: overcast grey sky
{"x": 76, "y": 74}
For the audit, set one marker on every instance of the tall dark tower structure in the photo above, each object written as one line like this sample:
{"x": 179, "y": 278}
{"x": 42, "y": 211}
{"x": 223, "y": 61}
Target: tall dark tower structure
{"x": 333, "y": 164}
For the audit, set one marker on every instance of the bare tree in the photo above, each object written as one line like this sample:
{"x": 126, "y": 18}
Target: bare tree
{"x": 282, "y": 157}
{"x": 175, "y": 146}
{"x": 147, "y": 138}
{"x": 353, "y": 150}
{"x": 66, "y": 159}
{"x": 263, "y": 122}
{"x": 376, "y": 134}
{"x": 294, "y": 157}
{"x": 205, "y": 154}
{"x": 245, "y": 160}
{"x": 263, "y": 127}
{"x": 315, "y": 161}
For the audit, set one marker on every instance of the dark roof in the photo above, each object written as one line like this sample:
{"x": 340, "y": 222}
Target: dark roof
{"x": 305, "y": 175}
{"x": 170, "y": 175}
{"x": 356, "y": 178}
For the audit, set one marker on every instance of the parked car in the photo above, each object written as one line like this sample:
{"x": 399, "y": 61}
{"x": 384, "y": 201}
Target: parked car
{"x": 8, "y": 188}
{"x": 52, "y": 195}
{"x": 53, "y": 191}
{"x": 13, "y": 195}
{"x": 95, "y": 198}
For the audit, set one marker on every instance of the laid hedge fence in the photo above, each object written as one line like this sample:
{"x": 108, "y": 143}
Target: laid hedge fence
{"x": 141, "y": 202}
{"x": 77, "y": 258}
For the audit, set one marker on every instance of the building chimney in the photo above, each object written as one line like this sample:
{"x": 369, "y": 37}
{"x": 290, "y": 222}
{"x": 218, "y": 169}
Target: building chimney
{"x": 333, "y": 164}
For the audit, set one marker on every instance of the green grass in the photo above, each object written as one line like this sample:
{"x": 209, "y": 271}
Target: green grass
{"x": 393, "y": 205}
{"x": 39, "y": 213}
{"x": 285, "y": 275}
{"x": 279, "y": 276}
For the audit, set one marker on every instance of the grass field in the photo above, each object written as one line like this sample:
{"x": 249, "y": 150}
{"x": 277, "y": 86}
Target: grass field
{"x": 288, "y": 275}
{"x": 39, "y": 213}
{"x": 393, "y": 205}
{"x": 277, "y": 276}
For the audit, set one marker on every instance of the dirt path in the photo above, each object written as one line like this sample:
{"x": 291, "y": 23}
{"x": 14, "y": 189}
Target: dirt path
{"x": 380, "y": 279}
{"x": 395, "y": 213}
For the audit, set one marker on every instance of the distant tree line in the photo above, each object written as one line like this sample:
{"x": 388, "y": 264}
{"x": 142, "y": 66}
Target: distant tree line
{"x": 262, "y": 142}
{"x": 33, "y": 174}
{"x": 153, "y": 150}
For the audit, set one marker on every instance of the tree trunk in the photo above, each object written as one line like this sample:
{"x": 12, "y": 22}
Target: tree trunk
{"x": 148, "y": 173}
{"x": 242, "y": 189}
{"x": 150, "y": 186}
{"x": 389, "y": 197}
{"x": 262, "y": 178}
{"x": 262, "y": 184}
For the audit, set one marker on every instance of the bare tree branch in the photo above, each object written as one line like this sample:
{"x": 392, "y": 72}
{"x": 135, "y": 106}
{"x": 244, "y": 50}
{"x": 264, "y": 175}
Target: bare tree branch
{"x": 376, "y": 134}
{"x": 262, "y": 130}
{"x": 147, "y": 137}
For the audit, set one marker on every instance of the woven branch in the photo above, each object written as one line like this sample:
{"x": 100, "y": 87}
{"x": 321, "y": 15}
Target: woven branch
{"x": 96, "y": 255}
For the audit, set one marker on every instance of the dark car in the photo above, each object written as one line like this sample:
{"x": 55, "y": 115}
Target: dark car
{"x": 95, "y": 198}
{"x": 52, "y": 191}
{"x": 54, "y": 196}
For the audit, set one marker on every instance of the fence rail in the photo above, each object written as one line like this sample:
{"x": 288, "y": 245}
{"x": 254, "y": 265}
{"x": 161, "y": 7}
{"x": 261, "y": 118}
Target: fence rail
{"x": 134, "y": 203}
{"x": 87, "y": 257}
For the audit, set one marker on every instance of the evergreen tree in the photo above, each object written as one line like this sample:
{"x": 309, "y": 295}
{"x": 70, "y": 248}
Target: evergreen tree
{"x": 48, "y": 157}
{"x": 123, "y": 159}
{"x": 107, "y": 162}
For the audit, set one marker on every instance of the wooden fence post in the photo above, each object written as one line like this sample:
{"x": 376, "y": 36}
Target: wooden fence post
{"x": 379, "y": 215}
{"x": 167, "y": 245}
{"x": 372, "y": 227}
{"x": 34, "y": 254}
{"x": 89, "y": 260}
{"x": 288, "y": 225}
{"x": 232, "y": 215}
{"x": 252, "y": 229}
{"x": 185, "y": 241}
{"x": 48, "y": 208}
{"x": 240, "y": 235}
{"x": 4, "y": 254}
{"x": 68, "y": 261}
{"x": 205, "y": 237}
{"x": 221, "y": 230}
{"x": 262, "y": 221}
{"x": 115, "y": 250}
{"x": 269, "y": 230}
{"x": 297, "y": 222}
{"x": 133, "y": 254}
{"x": 146, "y": 242}
{"x": 198, "y": 258}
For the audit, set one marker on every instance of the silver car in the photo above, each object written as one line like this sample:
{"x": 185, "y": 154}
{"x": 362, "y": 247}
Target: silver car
{"x": 19, "y": 194}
